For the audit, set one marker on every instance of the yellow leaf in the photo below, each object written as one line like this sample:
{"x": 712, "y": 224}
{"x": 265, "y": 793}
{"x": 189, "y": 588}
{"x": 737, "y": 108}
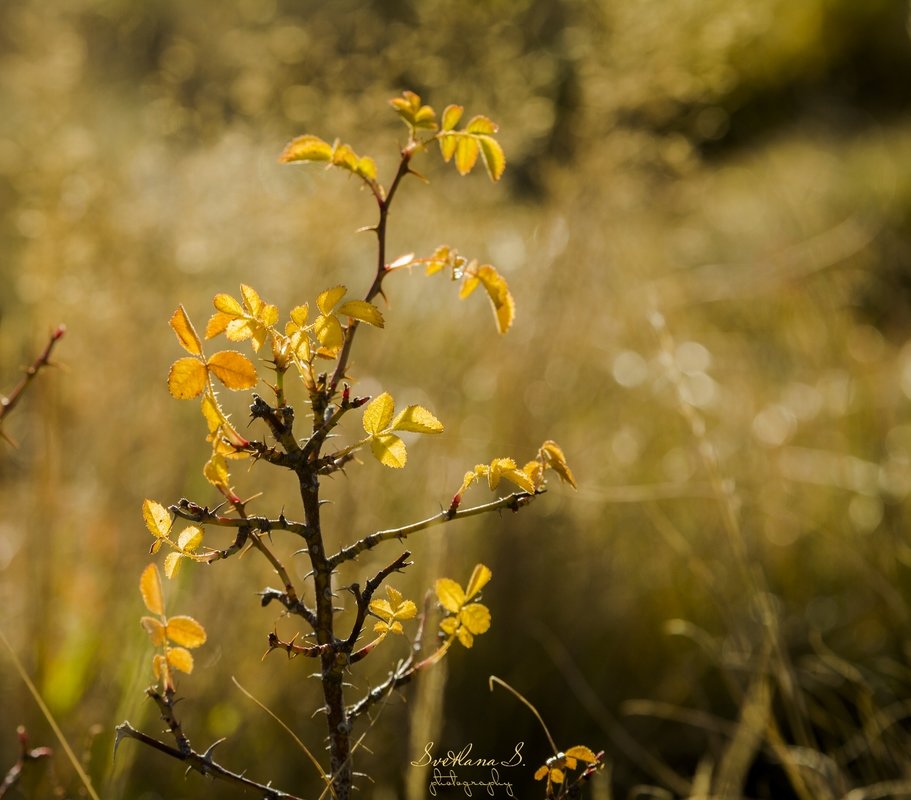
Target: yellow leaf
{"x": 157, "y": 518}
{"x": 494, "y": 158}
{"x": 541, "y": 773}
{"x": 181, "y": 659}
{"x": 476, "y": 618}
{"x": 306, "y": 148}
{"x": 451, "y": 116}
{"x": 504, "y": 307}
{"x": 344, "y": 156}
{"x": 186, "y": 631}
{"x": 217, "y": 324}
{"x": 418, "y": 420}
{"x": 381, "y": 608}
{"x": 187, "y": 378}
{"x": 156, "y": 546}
{"x": 155, "y": 629}
{"x": 496, "y": 469}
{"x": 553, "y": 455}
{"x": 228, "y": 305}
{"x": 363, "y": 311}
{"x": 389, "y": 450}
{"x": 159, "y": 666}
{"x": 253, "y": 302}
{"x": 233, "y": 369}
{"x": 366, "y": 168}
{"x": 190, "y": 538}
{"x": 406, "y": 610}
{"x": 240, "y": 329}
{"x": 299, "y": 315}
{"x": 216, "y": 471}
{"x": 481, "y": 124}
{"x": 470, "y": 283}
{"x": 480, "y": 577}
{"x": 328, "y": 330}
{"x": 171, "y": 562}
{"x": 150, "y": 588}
{"x": 450, "y": 594}
{"x": 378, "y": 414}
{"x": 464, "y": 636}
{"x": 211, "y": 412}
{"x": 556, "y": 775}
{"x": 328, "y": 299}
{"x": 448, "y": 143}
{"x": 521, "y": 479}
{"x": 466, "y": 154}
{"x": 583, "y": 753}
{"x": 186, "y": 333}
{"x": 394, "y": 595}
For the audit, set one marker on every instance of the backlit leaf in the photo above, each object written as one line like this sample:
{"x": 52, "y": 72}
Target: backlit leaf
{"x": 496, "y": 469}
{"x": 190, "y": 538}
{"x": 494, "y": 158}
{"x": 155, "y": 629}
{"x": 464, "y": 636}
{"x": 468, "y": 286}
{"x": 233, "y": 369}
{"x": 216, "y": 471}
{"x": 504, "y": 307}
{"x": 556, "y": 775}
{"x": 378, "y": 414}
{"x": 406, "y": 610}
{"x": 363, "y": 311}
{"x": 389, "y": 450}
{"x": 394, "y": 595}
{"x": 418, "y": 420}
{"x": 240, "y": 329}
{"x": 181, "y": 659}
{"x": 541, "y": 772}
{"x": 476, "y": 617}
{"x": 217, "y": 324}
{"x": 299, "y": 315}
{"x": 583, "y": 753}
{"x": 481, "y": 124}
{"x": 150, "y": 588}
{"x": 382, "y": 608}
{"x": 553, "y": 455}
{"x": 157, "y": 518}
{"x": 448, "y": 144}
{"x": 228, "y": 305}
{"x": 366, "y": 168}
{"x": 171, "y": 562}
{"x": 480, "y": 577}
{"x": 344, "y": 156}
{"x": 306, "y": 148}
{"x": 186, "y": 333}
{"x": 449, "y": 625}
{"x": 187, "y": 378}
{"x": 185, "y": 631}
{"x": 451, "y": 116}
{"x": 159, "y": 665}
{"x": 450, "y": 594}
{"x": 327, "y": 300}
{"x": 252, "y": 301}
{"x": 466, "y": 154}
{"x": 328, "y": 331}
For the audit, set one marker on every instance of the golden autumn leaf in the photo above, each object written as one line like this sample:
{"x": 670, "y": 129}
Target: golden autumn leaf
{"x": 155, "y": 629}
{"x": 228, "y": 305}
{"x": 504, "y": 307}
{"x": 582, "y": 753}
{"x": 451, "y": 116}
{"x": 187, "y": 378}
{"x": 186, "y": 631}
{"x": 218, "y": 323}
{"x": 493, "y": 156}
{"x": 480, "y": 577}
{"x": 450, "y": 594}
{"x": 171, "y": 562}
{"x": 233, "y": 369}
{"x": 476, "y": 618}
{"x": 186, "y": 333}
{"x": 554, "y": 458}
{"x": 190, "y": 538}
{"x": 150, "y": 588}
{"x": 363, "y": 311}
{"x": 378, "y": 414}
{"x": 416, "y": 419}
{"x": 157, "y": 518}
{"x": 180, "y": 658}
{"x": 389, "y": 450}
{"x": 306, "y": 148}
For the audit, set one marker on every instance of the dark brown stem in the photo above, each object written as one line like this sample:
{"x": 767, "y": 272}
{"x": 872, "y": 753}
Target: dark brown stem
{"x": 363, "y": 598}
{"x": 25, "y": 756}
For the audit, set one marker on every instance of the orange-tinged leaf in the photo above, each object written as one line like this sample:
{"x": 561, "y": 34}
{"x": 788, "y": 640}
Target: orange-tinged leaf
{"x": 268, "y": 315}
{"x": 187, "y": 378}
{"x": 180, "y": 658}
{"x": 556, "y": 775}
{"x": 541, "y": 772}
{"x": 228, "y": 305}
{"x": 583, "y": 753}
{"x": 217, "y": 324}
{"x": 233, "y": 369}
{"x": 150, "y": 588}
{"x": 418, "y": 420}
{"x": 363, "y": 311}
{"x": 240, "y": 329}
{"x": 553, "y": 455}
{"x": 389, "y": 450}
{"x": 157, "y": 518}
{"x": 378, "y": 414}
{"x": 480, "y": 577}
{"x": 190, "y": 538}
{"x": 155, "y": 629}
{"x": 504, "y": 307}
{"x": 450, "y": 594}
{"x": 494, "y": 158}
{"x": 171, "y": 562}
{"x": 466, "y": 154}
{"x": 306, "y": 148}
{"x": 451, "y": 116}
{"x": 481, "y": 124}
{"x": 328, "y": 331}
{"x": 185, "y": 631}
{"x": 186, "y": 333}
{"x": 476, "y": 618}
{"x": 328, "y": 299}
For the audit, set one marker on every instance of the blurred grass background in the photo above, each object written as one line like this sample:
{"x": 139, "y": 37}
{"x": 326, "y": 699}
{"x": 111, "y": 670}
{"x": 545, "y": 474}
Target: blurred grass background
{"x": 706, "y": 224}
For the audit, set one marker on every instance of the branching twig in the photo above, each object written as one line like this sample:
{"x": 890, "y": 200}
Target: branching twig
{"x": 513, "y": 502}
{"x": 8, "y": 403}
{"x": 25, "y": 756}
{"x": 363, "y": 598}
{"x": 188, "y": 510}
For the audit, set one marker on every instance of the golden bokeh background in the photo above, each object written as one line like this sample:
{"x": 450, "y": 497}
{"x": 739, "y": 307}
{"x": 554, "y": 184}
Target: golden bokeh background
{"x": 706, "y": 225}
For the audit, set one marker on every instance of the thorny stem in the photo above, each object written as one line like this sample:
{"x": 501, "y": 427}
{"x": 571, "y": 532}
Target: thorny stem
{"x": 25, "y": 756}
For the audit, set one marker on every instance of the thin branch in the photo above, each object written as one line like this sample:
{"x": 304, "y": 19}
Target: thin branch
{"x": 363, "y": 598}
{"x": 8, "y": 403}
{"x": 294, "y": 606}
{"x": 513, "y": 502}
{"x": 25, "y": 756}
{"x": 188, "y": 510}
